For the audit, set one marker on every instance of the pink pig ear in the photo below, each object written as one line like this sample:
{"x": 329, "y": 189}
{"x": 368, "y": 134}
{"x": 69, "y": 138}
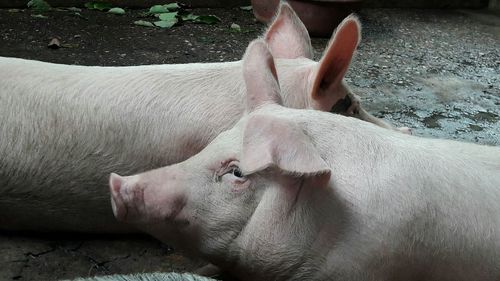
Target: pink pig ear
{"x": 327, "y": 86}
{"x": 287, "y": 36}
{"x": 260, "y": 75}
{"x": 272, "y": 142}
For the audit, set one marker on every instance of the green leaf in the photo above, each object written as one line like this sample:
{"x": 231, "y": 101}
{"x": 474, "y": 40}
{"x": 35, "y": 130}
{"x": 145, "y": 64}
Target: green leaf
{"x": 167, "y": 16}
{"x": 144, "y": 23}
{"x": 39, "y": 5}
{"x": 101, "y": 6}
{"x": 158, "y": 9}
{"x": 210, "y": 19}
{"x": 117, "y": 11}
{"x": 166, "y": 24}
{"x": 246, "y": 8}
{"x": 172, "y": 6}
{"x": 189, "y": 17}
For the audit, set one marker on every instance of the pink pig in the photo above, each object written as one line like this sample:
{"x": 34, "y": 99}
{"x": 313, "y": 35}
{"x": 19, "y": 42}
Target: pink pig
{"x": 291, "y": 194}
{"x": 65, "y": 128}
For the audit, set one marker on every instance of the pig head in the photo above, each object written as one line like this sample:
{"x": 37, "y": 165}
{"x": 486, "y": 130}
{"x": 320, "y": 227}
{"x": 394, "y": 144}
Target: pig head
{"x": 229, "y": 199}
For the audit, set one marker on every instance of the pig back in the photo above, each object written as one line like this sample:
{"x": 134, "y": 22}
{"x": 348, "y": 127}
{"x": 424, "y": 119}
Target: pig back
{"x": 65, "y": 128}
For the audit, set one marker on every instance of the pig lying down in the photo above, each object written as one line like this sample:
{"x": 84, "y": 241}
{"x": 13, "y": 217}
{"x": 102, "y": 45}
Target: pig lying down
{"x": 290, "y": 194}
{"x": 147, "y": 277}
{"x": 65, "y": 128}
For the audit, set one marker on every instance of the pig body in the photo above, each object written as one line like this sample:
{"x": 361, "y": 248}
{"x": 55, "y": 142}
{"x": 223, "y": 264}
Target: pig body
{"x": 156, "y": 276}
{"x": 65, "y": 131}
{"x": 290, "y": 194}
{"x": 65, "y": 128}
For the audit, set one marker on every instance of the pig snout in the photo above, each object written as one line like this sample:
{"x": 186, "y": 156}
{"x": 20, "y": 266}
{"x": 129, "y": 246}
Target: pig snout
{"x": 123, "y": 195}
{"x": 150, "y": 197}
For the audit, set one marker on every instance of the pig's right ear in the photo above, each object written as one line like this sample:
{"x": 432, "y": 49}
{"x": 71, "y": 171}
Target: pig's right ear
{"x": 287, "y": 36}
{"x": 260, "y": 75}
{"x": 327, "y": 87}
{"x": 270, "y": 142}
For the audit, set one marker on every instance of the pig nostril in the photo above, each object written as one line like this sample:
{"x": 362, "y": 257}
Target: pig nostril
{"x": 119, "y": 208}
{"x": 113, "y": 206}
{"x": 115, "y": 182}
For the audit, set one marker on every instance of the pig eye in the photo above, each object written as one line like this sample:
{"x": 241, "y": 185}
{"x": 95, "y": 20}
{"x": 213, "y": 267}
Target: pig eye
{"x": 229, "y": 172}
{"x": 236, "y": 172}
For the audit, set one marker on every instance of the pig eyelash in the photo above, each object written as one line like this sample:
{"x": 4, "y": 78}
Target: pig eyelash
{"x": 228, "y": 166}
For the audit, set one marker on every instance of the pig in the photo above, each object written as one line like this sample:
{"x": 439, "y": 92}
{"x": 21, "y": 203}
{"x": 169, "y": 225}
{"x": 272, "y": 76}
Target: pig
{"x": 299, "y": 194}
{"x": 65, "y": 128}
{"x": 157, "y": 276}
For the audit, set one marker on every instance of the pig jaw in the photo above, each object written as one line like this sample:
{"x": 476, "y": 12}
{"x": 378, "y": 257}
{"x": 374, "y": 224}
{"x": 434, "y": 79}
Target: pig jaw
{"x": 269, "y": 239}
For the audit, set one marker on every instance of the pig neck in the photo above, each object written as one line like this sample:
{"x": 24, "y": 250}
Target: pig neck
{"x": 276, "y": 247}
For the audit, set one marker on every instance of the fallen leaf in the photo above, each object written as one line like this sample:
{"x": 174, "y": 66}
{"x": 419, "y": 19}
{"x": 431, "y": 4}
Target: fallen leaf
{"x": 101, "y": 6}
{"x": 158, "y": 9}
{"x": 166, "y": 24}
{"x": 144, "y": 23}
{"x": 189, "y": 17}
{"x": 38, "y": 5}
{"x": 172, "y": 6}
{"x": 54, "y": 43}
{"x": 167, "y": 16}
{"x": 117, "y": 11}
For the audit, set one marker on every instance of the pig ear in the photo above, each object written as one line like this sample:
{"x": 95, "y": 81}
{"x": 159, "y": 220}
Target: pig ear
{"x": 327, "y": 86}
{"x": 272, "y": 142}
{"x": 260, "y": 76}
{"x": 287, "y": 36}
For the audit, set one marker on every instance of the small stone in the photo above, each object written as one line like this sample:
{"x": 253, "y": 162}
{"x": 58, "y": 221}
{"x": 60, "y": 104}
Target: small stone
{"x": 54, "y": 43}
{"x": 235, "y": 27}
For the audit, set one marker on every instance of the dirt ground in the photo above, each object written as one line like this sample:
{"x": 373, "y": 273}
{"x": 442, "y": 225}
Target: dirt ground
{"x": 435, "y": 71}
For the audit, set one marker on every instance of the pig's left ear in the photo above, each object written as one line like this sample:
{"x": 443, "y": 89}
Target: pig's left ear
{"x": 270, "y": 142}
{"x": 327, "y": 86}
{"x": 261, "y": 79}
{"x": 287, "y": 36}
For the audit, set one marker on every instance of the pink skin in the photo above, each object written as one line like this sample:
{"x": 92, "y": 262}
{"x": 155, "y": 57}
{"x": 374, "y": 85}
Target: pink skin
{"x": 159, "y": 202}
{"x": 290, "y": 194}
{"x": 70, "y": 126}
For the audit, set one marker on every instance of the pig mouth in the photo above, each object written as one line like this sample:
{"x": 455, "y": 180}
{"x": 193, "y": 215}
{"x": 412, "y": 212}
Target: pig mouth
{"x": 119, "y": 208}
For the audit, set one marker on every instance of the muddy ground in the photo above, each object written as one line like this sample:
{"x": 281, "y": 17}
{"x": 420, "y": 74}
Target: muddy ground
{"x": 435, "y": 71}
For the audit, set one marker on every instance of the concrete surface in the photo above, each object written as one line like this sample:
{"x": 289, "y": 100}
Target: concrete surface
{"x": 435, "y": 71}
